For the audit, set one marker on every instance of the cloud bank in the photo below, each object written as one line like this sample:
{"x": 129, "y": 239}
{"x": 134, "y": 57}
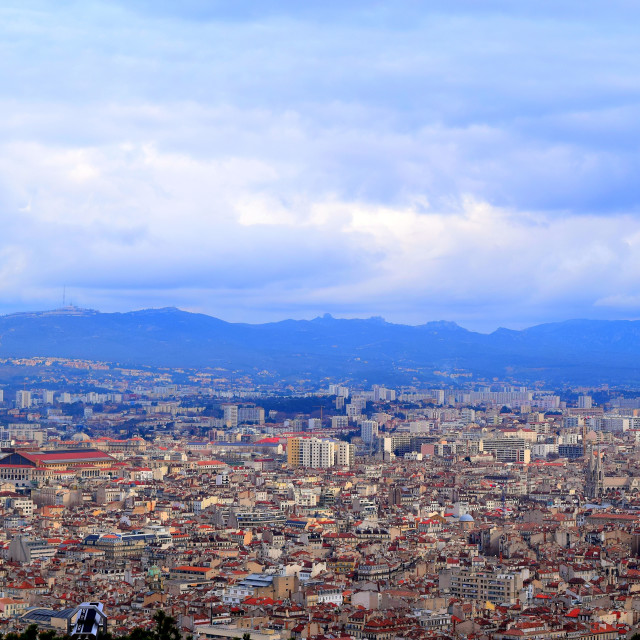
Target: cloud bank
{"x": 451, "y": 161}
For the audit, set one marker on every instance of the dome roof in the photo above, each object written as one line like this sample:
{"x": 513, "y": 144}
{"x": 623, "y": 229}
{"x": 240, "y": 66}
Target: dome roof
{"x": 467, "y": 517}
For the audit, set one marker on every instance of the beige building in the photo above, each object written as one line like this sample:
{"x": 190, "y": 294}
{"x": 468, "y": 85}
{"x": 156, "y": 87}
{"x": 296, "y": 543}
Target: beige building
{"x": 484, "y": 586}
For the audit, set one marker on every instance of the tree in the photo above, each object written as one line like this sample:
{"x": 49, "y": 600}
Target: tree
{"x": 166, "y": 627}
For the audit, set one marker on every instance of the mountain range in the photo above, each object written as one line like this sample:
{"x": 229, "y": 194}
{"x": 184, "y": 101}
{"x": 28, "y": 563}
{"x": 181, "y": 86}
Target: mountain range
{"x": 367, "y": 350}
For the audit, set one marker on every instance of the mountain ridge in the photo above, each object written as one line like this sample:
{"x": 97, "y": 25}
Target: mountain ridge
{"x": 570, "y": 352}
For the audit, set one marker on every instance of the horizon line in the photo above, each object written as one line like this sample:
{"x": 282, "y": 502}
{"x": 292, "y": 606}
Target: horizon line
{"x": 72, "y": 309}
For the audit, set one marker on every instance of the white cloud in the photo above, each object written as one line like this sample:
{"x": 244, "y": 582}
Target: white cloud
{"x": 425, "y": 163}
{"x": 166, "y": 226}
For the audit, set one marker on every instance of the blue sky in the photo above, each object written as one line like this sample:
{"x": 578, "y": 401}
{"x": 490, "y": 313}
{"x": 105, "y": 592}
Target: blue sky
{"x": 468, "y": 161}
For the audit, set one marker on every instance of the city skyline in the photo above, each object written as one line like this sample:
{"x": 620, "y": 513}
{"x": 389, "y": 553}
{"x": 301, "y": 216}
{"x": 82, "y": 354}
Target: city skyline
{"x": 457, "y": 162}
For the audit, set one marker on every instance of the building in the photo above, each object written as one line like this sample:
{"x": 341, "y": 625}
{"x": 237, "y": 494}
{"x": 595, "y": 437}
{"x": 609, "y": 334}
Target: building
{"x": 344, "y": 454}
{"x": 368, "y": 431}
{"x": 25, "y": 550}
{"x": 12, "y": 607}
{"x": 22, "y": 505}
{"x": 571, "y": 451}
{"x": 119, "y": 545}
{"x": 26, "y": 468}
{"x": 250, "y": 415}
{"x": 256, "y": 518}
{"x": 230, "y": 417}
{"x": 192, "y": 572}
{"x": 594, "y": 485}
{"x": 484, "y": 586}
{"x": 262, "y": 586}
{"x": 339, "y": 422}
{"x": 293, "y": 452}
{"x": 23, "y": 399}
{"x": 585, "y": 402}
{"x": 338, "y": 390}
{"x": 381, "y": 394}
{"x": 317, "y": 453}
{"x": 507, "y": 449}
{"x": 86, "y": 621}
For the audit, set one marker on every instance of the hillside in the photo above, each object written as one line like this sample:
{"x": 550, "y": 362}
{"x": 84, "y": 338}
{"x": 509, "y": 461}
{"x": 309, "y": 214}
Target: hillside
{"x": 575, "y": 352}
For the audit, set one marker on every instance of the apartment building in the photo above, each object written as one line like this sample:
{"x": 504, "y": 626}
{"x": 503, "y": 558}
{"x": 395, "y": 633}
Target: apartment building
{"x": 484, "y": 586}
{"x": 316, "y": 453}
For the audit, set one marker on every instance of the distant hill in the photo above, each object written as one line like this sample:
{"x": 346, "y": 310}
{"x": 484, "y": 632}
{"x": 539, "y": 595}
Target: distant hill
{"x": 372, "y": 350}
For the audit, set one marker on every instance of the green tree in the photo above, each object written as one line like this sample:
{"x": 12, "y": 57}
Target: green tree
{"x": 139, "y": 634}
{"x": 166, "y": 627}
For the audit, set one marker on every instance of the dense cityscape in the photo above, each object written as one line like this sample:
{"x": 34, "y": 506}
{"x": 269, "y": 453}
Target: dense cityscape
{"x": 319, "y": 320}
{"x": 341, "y": 512}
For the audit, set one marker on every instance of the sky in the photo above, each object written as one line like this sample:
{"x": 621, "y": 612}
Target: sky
{"x": 445, "y": 160}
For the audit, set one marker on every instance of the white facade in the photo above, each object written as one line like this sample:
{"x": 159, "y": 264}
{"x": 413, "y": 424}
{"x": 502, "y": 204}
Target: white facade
{"x": 251, "y": 414}
{"x": 353, "y": 411}
{"x": 25, "y": 505}
{"x": 542, "y": 450}
{"x": 230, "y": 415}
{"x": 344, "y": 453}
{"x": 338, "y": 390}
{"x": 585, "y": 402}
{"x": 23, "y": 399}
{"x": 383, "y": 394}
{"x": 368, "y": 430}
{"x": 316, "y": 453}
{"x": 339, "y": 422}
{"x": 615, "y": 423}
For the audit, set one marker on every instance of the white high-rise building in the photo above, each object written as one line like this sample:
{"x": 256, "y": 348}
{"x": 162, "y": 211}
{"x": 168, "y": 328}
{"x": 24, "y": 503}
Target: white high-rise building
{"x": 251, "y": 414}
{"x": 339, "y": 422}
{"x": 353, "y": 411}
{"x": 316, "y": 453}
{"x": 585, "y": 402}
{"x": 230, "y": 418}
{"x": 368, "y": 430}
{"x": 23, "y": 399}
{"x": 467, "y": 415}
{"x": 383, "y": 394}
{"x": 344, "y": 454}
